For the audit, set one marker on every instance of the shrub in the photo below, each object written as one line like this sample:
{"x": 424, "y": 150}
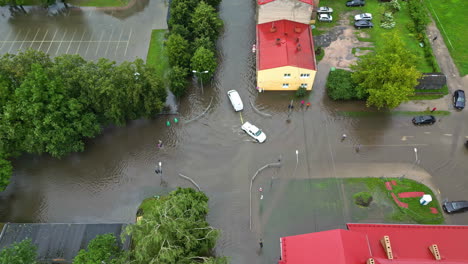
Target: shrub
{"x": 301, "y": 91}
{"x": 387, "y": 21}
{"x": 362, "y": 199}
{"x": 419, "y": 15}
{"x": 102, "y": 249}
{"x": 340, "y": 85}
{"x": 394, "y": 5}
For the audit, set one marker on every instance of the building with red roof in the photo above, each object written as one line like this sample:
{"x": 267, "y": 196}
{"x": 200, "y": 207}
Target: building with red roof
{"x": 379, "y": 244}
{"x": 293, "y": 10}
{"x": 285, "y": 56}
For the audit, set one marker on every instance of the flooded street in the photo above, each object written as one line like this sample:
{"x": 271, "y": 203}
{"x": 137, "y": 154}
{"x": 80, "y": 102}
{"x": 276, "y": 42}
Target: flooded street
{"x": 107, "y": 182}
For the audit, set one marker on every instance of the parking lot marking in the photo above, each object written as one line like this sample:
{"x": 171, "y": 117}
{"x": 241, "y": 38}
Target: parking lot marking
{"x": 81, "y": 40}
{"x": 242, "y": 120}
{"x": 118, "y": 43}
{"x": 69, "y": 45}
{"x": 404, "y": 138}
{"x": 45, "y": 35}
{"x": 51, "y": 41}
{"x": 448, "y": 135}
{"x": 99, "y": 43}
{"x": 66, "y": 31}
{"x": 129, "y": 37}
{"x": 6, "y": 38}
{"x": 427, "y": 133}
{"x": 13, "y": 42}
{"x": 394, "y": 145}
{"x": 25, "y": 38}
{"x": 34, "y": 37}
{"x": 108, "y": 43}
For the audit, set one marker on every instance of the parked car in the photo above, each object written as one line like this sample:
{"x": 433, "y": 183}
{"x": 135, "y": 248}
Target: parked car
{"x": 325, "y": 18}
{"x": 363, "y": 16}
{"x": 254, "y": 132}
{"x": 459, "y": 99}
{"x": 363, "y": 24}
{"x": 424, "y": 120}
{"x": 455, "y": 206}
{"x": 325, "y": 9}
{"x": 235, "y": 99}
{"x": 356, "y": 3}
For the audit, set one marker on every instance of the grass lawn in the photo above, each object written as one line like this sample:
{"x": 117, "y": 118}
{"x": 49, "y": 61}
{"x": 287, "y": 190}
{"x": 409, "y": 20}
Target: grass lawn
{"x": 396, "y": 113}
{"x": 157, "y": 53}
{"x": 450, "y": 17}
{"x": 99, "y": 3}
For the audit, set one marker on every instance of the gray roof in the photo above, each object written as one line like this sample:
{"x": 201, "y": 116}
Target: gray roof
{"x": 432, "y": 81}
{"x": 59, "y": 241}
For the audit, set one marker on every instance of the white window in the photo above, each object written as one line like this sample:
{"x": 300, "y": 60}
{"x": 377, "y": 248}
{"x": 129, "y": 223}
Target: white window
{"x": 303, "y": 85}
{"x": 287, "y": 75}
{"x": 305, "y": 75}
{"x": 285, "y": 85}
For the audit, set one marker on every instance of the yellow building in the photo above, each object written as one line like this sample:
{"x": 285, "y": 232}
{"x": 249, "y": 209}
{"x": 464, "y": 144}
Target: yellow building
{"x": 285, "y": 56}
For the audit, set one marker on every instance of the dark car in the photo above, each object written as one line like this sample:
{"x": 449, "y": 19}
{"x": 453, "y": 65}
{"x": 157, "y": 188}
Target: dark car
{"x": 459, "y": 99}
{"x": 455, "y": 206}
{"x": 363, "y": 24}
{"x": 356, "y": 3}
{"x": 424, "y": 120}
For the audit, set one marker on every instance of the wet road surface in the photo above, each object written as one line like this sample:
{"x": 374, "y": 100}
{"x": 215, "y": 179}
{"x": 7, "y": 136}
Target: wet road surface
{"x": 107, "y": 182}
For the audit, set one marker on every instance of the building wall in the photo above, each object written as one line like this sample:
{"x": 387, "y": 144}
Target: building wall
{"x": 273, "y": 79}
{"x": 292, "y": 10}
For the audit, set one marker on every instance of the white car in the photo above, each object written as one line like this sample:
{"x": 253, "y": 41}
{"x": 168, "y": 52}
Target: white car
{"x": 363, "y": 16}
{"x": 325, "y": 9}
{"x": 325, "y": 18}
{"x": 254, "y": 132}
{"x": 235, "y": 99}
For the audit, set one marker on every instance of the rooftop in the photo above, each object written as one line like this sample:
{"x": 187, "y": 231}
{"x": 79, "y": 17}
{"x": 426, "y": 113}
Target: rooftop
{"x": 285, "y": 43}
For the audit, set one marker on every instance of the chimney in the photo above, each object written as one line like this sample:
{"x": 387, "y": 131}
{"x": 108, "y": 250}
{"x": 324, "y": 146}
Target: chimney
{"x": 297, "y": 40}
{"x": 298, "y": 47}
{"x": 278, "y": 41}
{"x": 297, "y": 30}
{"x": 273, "y": 29}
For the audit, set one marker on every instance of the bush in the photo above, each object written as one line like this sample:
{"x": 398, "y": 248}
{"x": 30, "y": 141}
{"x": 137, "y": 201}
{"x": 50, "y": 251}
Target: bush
{"x": 419, "y": 15}
{"x": 19, "y": 253}
{"x": 178, "y": 80}
{"x": 102, "y": 249}
{"x": 340, "y": 86}
{"x": 301, "y": 91}
{"x": 394, "y": 5}
{"x": 362, "y": 199}
{"x": 387, "y": 21}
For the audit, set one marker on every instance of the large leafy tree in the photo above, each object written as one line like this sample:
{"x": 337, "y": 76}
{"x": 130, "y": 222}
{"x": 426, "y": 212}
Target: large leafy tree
{"x": 19, "y": 253}
{"x": 174, "y": 230}
{"x": 5, "y": 172}
{"x": 205, "y": 22}
{"x": 102, "y": 249}
{"x": 204, "y": 60}
{"x": 388, "y": 76}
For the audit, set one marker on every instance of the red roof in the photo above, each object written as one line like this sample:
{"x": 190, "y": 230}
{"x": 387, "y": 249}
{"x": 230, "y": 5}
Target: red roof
{"x": 285, "y": 43}
{"x": 262, "y": 2}
{"x": 409, "y": 243}
{"x": 328, "y": 247}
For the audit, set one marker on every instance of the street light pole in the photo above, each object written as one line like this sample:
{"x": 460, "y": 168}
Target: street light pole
{"x": 201, "y": 79}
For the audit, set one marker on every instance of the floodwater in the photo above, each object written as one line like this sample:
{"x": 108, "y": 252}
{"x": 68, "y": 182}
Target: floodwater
{"x": 107, "y": 182}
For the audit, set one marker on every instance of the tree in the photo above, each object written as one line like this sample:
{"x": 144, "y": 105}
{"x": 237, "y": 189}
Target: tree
{"x": 19, "y": 253}
{"x": 181, "y": 12}
{"x": 388, "y": 76}
{"x": 178, "y": 79}
{"x": 178, "y": 51}
{"x": 174, "y": 230}
{"x": 340, "y": 85}
{"x": 102, "y": 249}
{"x": 204, "y": 42}
{"x": 5, "y": 172}
{"x": 205, "y": 22}
{"x": 204, "y": 60}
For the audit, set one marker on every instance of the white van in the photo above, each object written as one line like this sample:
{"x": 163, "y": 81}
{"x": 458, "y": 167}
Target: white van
{"x": 254, "y": 132}
{"x": 236, "y": 101}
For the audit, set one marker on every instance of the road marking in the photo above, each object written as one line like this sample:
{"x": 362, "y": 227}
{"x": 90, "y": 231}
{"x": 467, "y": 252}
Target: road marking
{"x": 395, "y": 145}
{"x": 108, "y": 43}
{"x": 448, "y": 135}
{"x": 404, "y": 138}
{"x": 34, "y": 37}
{"x": 69, "y": 45}
{"x": 99, "y": 43}
{"x": 51, "y": 41}
{"x": 241, "y": 119}
{"x": 77, "y": 41}
{"x": 427, "y": 133}
{"x": 14, "y": 43}
{"x": 66, "y": 31}
{"x": 79, "y": 45}
{"x": 45, "y": 35}
{"x": 118, "y": 43}
{"x": 6, "y": 38}
{"x": 26, "y": 37}
{"x": 129, "y": 37}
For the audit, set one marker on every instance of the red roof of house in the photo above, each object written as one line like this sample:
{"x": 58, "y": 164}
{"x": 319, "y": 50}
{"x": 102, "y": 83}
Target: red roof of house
{"x": 262, "y": 2}
{"x": 409, "y": 243}
{"x": 285, "y": 43}
{"x": 328, "y": 247}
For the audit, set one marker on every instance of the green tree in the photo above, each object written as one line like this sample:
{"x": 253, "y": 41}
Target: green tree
{"x": 388, "y": 76}
{"x": 178, "y": 80}
{"x": 174, "y": 230}
{"x": 204, "y": 42}
{"x": 178, "y": 51}
{"x": 204, "y": 60}
{"x": 5, "y": 172}
{"x": 340, "y": 85}
{"x": 205, "y": 22}
{"x": 181, "y": 12}
{"x": 102, "y": 249}
{"x": 23, "y": 252}
{"x": 180, "y": 30}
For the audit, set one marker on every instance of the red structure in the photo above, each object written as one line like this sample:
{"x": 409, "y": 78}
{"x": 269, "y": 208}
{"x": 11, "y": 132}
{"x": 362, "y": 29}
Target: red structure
{"x": 379, "y": 244}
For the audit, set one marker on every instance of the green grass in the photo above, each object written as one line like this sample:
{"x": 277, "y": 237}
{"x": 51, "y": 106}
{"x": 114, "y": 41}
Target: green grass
{"x": 157, "y": 54}
{"x": 99, "y": 3}
{"x": 444, "y": 90}
{"x": 395, "y": 113}
{"x": 425, "y": 96}
{"x": 450, "y": 17}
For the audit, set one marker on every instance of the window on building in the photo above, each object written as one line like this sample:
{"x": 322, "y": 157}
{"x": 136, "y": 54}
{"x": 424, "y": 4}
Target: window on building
{"x": 303, "y": 85}
{"x": 287, "y": 75}
{"x": 285, "y": 85}
{"x": 305, "y": 75}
